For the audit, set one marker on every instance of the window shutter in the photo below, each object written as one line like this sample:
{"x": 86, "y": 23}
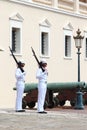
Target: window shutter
{"x": 16, "y": 40}
{"x": 67, "y": 46}
{"x": 86, "y": 49}
{"x": 44, "y": 44}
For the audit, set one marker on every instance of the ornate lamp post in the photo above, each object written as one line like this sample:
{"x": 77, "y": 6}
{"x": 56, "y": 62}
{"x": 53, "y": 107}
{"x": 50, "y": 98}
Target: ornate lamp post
{"x": 78, "y": 43}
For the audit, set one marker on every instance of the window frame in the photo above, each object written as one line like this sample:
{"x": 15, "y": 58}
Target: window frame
{"x": 16, "y": 24}
{"x": 68, "y": 32}
{"x": 45, "y": 29}
{"x": 85, "y": 37}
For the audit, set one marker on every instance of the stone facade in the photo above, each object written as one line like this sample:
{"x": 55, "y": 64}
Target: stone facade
{"x": 48, "y": 26}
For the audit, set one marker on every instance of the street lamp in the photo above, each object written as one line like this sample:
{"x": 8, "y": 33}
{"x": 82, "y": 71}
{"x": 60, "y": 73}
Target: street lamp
{"x": 78, "y": 43}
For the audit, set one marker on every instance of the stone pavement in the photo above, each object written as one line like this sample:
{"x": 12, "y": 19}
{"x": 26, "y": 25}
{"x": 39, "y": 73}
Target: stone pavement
{"x": 55, "y": 119}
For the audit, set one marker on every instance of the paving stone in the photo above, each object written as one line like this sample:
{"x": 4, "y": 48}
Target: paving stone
{"x": 55, "y": 119}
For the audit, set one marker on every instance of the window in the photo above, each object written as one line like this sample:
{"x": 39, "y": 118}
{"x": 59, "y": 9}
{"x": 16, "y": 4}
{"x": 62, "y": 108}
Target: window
{"x": 44, "y": 43}
{"x": 85, "y": 1}
{"x": 45, "y": 38}
{"x": 86, "y": 47}
{"x": 68, "y": 34}
{"x": 16, "y": 33}
{"x": 85, "y": 41}
{"x": 67, "y": 46}
{"x": 16, "y": 40}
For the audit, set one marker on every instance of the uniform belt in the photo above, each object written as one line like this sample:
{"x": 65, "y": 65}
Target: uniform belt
{"x": 44, "y": 81}
{"x": 21, "y": 81}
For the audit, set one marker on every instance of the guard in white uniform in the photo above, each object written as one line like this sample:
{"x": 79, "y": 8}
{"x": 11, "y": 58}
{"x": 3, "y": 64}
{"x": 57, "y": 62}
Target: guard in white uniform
{"x": 42, "y": 86}
{"x": 20, "y": 77}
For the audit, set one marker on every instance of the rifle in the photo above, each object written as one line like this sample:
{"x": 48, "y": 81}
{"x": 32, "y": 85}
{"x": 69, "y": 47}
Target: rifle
{"x": 37, "y": 59}
{"x": 15, "y": 59}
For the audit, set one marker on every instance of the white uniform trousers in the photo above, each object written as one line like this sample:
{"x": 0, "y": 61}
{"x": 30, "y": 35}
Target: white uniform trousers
{"x": 42, "y": 88}
{"x": 20, "y": 91}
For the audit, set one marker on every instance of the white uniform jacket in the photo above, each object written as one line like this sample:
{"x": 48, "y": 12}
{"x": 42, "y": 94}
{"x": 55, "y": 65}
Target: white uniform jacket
{"x": 20, "y": 77}
{"x": 42, "y": 88}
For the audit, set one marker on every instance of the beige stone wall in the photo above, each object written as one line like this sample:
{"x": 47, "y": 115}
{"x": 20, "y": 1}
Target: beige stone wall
{"x": 60, "y": 69}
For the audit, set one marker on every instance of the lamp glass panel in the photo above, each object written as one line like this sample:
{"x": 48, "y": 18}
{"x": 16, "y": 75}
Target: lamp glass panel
{"x": 78, "y": 43}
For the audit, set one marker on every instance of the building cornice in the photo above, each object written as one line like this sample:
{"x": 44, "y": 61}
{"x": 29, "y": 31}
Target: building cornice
{"x": 46, "y": 7}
